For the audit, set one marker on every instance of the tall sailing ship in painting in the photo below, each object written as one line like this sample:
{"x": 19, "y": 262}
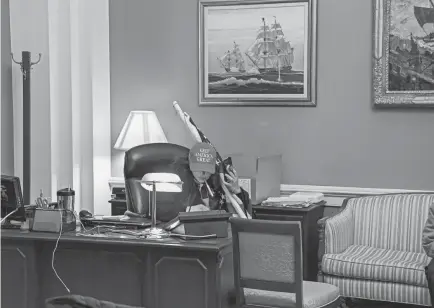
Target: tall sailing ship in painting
{"x": 411, "y": 56}
{"x": 233, "y": 61}
{"x": 265, "y": 67}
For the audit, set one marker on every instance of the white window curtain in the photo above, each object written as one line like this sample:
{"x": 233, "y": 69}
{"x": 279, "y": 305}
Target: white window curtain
{"x": 70, "y": 95}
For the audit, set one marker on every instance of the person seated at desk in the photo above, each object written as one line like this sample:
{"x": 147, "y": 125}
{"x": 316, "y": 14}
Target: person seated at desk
{"x": 204, "y": 192}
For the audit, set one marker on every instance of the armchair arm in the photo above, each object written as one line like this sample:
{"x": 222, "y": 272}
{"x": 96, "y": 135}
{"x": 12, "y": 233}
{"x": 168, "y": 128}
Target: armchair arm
{"x": 336, "y": 234}
{"x": 339, "y": 231}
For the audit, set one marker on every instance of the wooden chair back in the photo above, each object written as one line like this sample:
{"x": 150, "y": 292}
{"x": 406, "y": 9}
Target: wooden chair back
{"x": 267, "y": 256}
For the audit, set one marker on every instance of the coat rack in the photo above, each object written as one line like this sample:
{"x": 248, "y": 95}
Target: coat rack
{"x": 26, "y": 67}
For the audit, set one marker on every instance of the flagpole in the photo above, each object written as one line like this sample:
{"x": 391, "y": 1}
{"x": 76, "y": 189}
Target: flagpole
{"x": 186, "y": 119}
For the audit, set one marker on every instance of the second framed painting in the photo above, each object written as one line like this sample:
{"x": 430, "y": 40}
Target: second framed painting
{"x": 257, "y": 53}
{"x": 403, "y": 57}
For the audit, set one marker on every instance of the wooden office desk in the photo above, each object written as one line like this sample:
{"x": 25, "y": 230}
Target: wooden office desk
{"x": 168, "y": 273}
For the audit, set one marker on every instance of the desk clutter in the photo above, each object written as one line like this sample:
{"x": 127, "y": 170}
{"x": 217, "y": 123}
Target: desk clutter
{"x": 188, "y": 226}
{"x": 60, "y": 217}
{"x": 43, "y": 215}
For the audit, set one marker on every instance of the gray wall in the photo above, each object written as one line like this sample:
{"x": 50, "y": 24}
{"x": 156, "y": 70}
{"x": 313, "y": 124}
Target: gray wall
{"x": 342, "y": 142}
{"x": 7, "y": 126}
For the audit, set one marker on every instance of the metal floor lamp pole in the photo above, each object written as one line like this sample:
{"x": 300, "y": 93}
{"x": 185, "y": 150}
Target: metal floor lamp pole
{"x": 26, "y": 66}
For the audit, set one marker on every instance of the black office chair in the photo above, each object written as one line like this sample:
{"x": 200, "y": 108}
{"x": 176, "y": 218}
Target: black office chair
{"x": 156, "y": 157}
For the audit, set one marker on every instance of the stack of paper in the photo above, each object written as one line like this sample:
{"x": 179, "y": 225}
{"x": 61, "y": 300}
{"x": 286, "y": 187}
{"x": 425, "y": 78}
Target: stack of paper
{"x": 312, "y": 197}
{"x": 302, "y": 199}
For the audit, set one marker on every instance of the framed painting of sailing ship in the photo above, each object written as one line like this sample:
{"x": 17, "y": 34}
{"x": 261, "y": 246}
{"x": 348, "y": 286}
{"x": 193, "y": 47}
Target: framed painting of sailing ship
{"x": 403, "y": 58}
{"x": 257, "y": 53}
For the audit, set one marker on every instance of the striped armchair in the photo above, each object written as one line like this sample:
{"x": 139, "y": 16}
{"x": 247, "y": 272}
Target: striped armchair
{"x": 373, "y": 249}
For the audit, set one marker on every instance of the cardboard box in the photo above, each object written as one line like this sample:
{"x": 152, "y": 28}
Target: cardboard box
{"x": 260, "y": 176}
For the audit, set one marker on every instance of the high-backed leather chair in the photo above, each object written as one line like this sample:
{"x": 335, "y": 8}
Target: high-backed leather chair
{"x": 155, "y": 157}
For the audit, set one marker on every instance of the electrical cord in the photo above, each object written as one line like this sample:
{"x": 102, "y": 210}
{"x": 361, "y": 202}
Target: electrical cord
{"x": 57, "y": 244}
{"x": 4, "y": 218}
{"x": 60, "y": 235}
{"x": 55, "y": 247}
{"x": 54, "y": 252}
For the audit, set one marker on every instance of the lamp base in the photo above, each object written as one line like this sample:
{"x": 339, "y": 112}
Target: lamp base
{"x": 156, "y": 233}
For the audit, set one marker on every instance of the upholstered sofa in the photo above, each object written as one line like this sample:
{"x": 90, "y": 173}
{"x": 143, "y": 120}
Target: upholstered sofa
{"x": 372, "y": 249}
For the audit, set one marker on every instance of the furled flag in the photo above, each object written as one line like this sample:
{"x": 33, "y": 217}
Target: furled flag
{"x": 199, "y": 136}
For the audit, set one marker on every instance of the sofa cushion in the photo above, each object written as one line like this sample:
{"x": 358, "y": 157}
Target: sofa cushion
{"x": 315, "y": 295}
{"x": 363, "y": 262}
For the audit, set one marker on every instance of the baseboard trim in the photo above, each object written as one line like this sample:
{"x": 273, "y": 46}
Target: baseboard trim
{"x": 335, "y": 195}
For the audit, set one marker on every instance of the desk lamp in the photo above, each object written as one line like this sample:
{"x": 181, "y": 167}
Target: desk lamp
{"x": 162, "y": 182}
{"x": 141, "y": 127}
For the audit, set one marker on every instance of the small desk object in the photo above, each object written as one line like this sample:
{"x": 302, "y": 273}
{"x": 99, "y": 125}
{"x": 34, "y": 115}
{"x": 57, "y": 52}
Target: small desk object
{"x": 118, "y": 201}
{"x": 165, "y": 273}
{"x": 308, "y": 216}
{"x": 201, "y": 223}
{"x": 52, "y": 220}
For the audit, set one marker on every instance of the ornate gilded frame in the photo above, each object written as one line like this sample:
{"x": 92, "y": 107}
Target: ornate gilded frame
{"x": 382, "y": 96}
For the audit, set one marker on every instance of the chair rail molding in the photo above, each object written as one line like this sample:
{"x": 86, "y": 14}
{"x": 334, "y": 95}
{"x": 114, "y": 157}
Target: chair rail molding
{"x": 71, "y": 144}
{"x": 334, "y": 195}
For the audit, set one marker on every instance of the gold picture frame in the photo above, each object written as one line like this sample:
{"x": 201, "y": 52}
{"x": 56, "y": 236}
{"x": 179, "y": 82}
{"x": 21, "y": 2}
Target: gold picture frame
{"x": 403, "y": 62}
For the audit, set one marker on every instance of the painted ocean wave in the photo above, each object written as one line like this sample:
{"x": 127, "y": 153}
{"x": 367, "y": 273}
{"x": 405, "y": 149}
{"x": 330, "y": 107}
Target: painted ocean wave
{"x": 233, "y": 85}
